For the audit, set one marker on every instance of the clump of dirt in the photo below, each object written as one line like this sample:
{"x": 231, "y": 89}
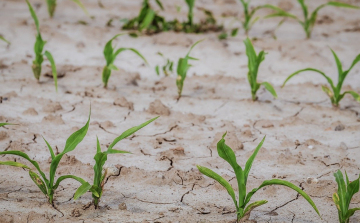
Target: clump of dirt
{"x": 158, "y": 108}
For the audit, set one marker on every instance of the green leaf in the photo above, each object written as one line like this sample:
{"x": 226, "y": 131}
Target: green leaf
{"x": 192, "y": 47}
{"x": 356, "y": 60}
{"x": 270, "y": 88}
{"x": 228, "y": 155}
{"x": 352, "y": 189}
{"x": 82, "y": 190}
{"x": 341, "y": 190}
{"x": 254, "y": 205}
{"x": 251, "y": 159}
{"x": 16, "y": 164}
{"x": 81, "y": 6}
{"x": 50, "y": 149}
{"x": 351, "y": 212}
{"x": 79, "y": 179}
{"x": 139, "y": 54}
{"x": 25, "y": 156}
{"x": 220, "y": 180}
{"x": 53, "y": 67}
{"x": 158, "y": 2}
{"x": 311, "y": 69}
{"x": 38, "y": 181}
{"x": 336, "y": 200}
{"x": 354, "y": 94}
{"x": 157, "y": 69}
{"x": 70, "y": 145}
{"x": 100, "y": 159}
{"x": 327, "y": 91}
{"x": 284, "y": 183}
{"x": 112, "y": 67}
{"x": 304, "y": 8}
{"x": 234, "y": 32}
{"x": 343, "y": 5}
{"x": 338, "y": 64}
{"x": 150, "y": 15}
{"x": 3, "y": 124}
{"x": 33, "y": 14}
{"x": 108, "y": 50}
{"x": 128, "y": 133}
{"x": 6, "y": 41}
{"x": 76, "y": 137}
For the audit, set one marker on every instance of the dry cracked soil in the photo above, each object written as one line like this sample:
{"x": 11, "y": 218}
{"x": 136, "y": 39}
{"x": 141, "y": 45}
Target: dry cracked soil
{"x": 307, "y": 139}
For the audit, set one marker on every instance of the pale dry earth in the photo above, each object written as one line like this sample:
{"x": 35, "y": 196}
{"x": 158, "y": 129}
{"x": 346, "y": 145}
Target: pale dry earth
{"x": 159, "y": 181}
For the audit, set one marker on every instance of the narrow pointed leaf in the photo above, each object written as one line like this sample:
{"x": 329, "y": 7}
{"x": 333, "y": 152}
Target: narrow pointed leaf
{"x": 16, "y": 164}
{"x": 33, "y": 15}
{"x": 250, "y": 161}
{"x": 341, "y": 190}
{"x": 38, "y": 181}
{"x": 82, "y": 190}
{"x": 81, "y": 6}
{"x": 50, "y": 149}
{"x": 354, "y": 94}
{"x": 53, "y": 67}
{"x": 3, "y": 39}
{"x": 270, "y": 88}
{"x": 79, "y": 179}
{"x": 351, "y": 212}
{"x": 287, "y": 184}
{"x": 220, "y": 180}
{"x": 254, "y": 205}
{"x": 130, "y": 132}
{"x": 3, "y": 124}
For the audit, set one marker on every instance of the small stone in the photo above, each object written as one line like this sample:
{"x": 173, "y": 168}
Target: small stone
{"x": 311, "y": 147}
{"x": 297, "y": 143}
{"x": 339, "y": 127}
{"x": 343, "y": 146}
{"x": 312, "y": 180}
{"x": 122, "y": 206}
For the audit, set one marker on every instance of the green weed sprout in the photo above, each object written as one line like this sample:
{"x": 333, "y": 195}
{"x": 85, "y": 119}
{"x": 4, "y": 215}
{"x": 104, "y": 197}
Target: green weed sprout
{"x": 309, "y": 19}
{"x": 167, "y": 68}
{"x": 48, "y": 186}
{"x": 344, "y": 195}
{"x": 110, "y": 55}
{"x": 243, "y": 208}
{"x": 148, "y": 19}
{"x": 100, "y": 158}
{"x": 5, "y": 40}
{"x": 254, "y": 62}
{"x": 51, "y": 4}
{"x": 38, "y": 49}
{"x": 335, "y": 92}
{"x": 182, "y": 69}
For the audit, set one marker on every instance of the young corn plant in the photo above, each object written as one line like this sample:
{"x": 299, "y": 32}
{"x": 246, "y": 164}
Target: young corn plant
{"x": 191, "y": 5}
{"x": 148, "y": 19}
{"x": 243, "y": 208}
{"x": 182, "y": 69}
{"x": 342, "y": 199}
{"x": 254, "y": 62}
{"x": 100, "y": 175}
{"x": 48, "y": 185}
{"x": 110, "y": 55}
{"x": 334, "y": 93}
{"x": 167, "y": 68}
{"x": 309, "y": 18}
{"x": 38, "y": 49}
{"x": 51, "y": 5}
{"x": 250, "y": 13}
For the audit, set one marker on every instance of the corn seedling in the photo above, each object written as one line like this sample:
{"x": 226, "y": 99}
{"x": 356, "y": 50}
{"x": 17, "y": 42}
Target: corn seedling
{"x": 3, "y": 39}
{"x": 254, "y": 62}
{"x": 48, "y": 186}
{"x": 342, "y": 199}
{"x": 38, "y": 49}
{"x": 334, "y": 93}
{"x": 110, "y": 55}
{"x": 182, "y": 69}
{"x": 100, "y": 175}
{"x": 250, "y": 13}
{"x": 148, "y": 19}
{"x": 51, "y": 4}
{"x": 309, "y": 19}
{"x": 167, "y": 68}
{"x": 3, "y": 124}
{"x": 243, "y": 208}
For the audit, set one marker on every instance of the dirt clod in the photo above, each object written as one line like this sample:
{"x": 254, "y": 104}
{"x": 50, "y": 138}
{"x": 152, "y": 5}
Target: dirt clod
{"x": 158, "y": 108}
